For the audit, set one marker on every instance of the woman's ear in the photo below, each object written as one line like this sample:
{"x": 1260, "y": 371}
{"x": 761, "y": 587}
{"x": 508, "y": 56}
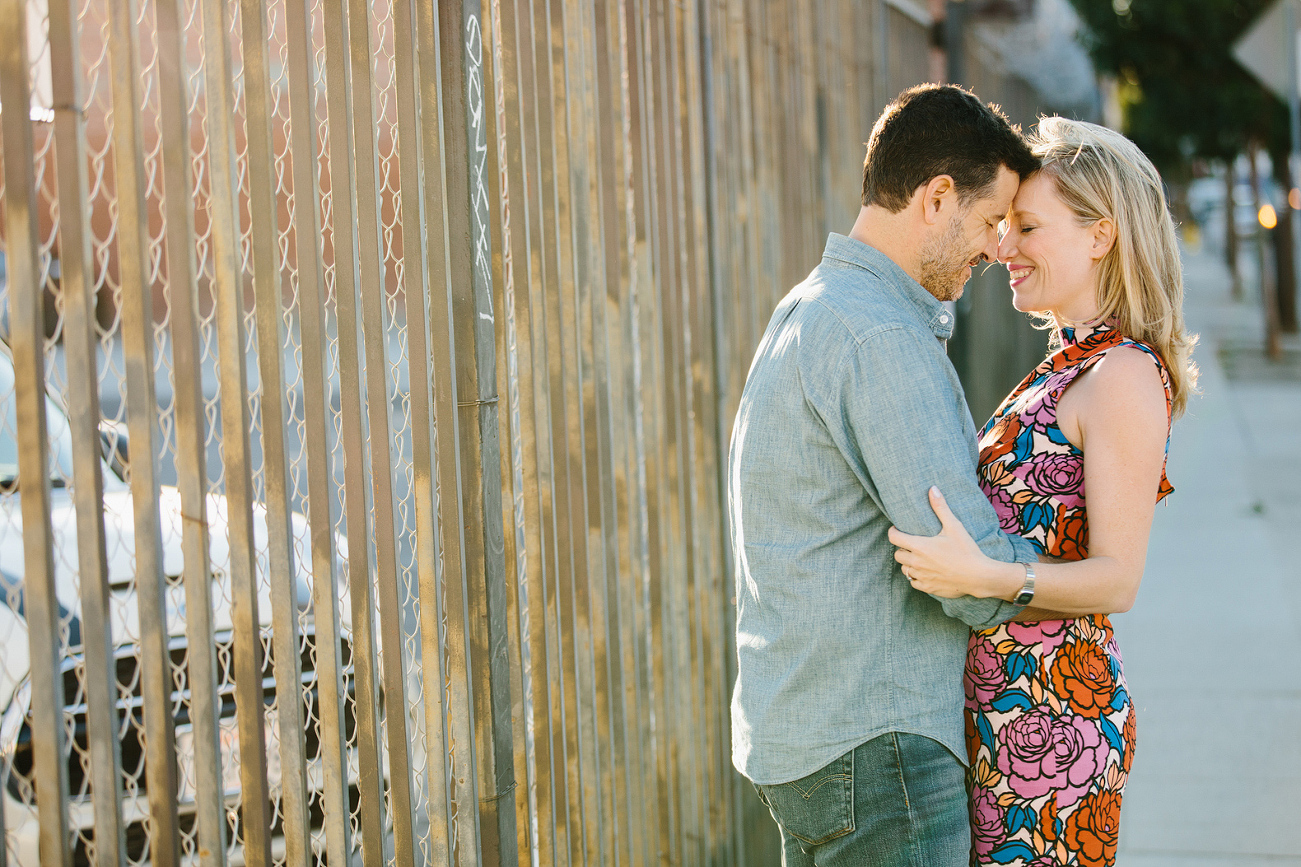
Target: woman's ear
{"x": 1104, "y": 238}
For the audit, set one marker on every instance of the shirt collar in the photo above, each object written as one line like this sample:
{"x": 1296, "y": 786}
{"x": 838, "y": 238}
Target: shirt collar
{"x": 929, "y": 309}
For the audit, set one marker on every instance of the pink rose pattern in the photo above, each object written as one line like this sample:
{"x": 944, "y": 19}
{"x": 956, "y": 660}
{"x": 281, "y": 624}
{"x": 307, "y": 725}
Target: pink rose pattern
{"x": 1034, "y": 758}
{"x": 985, "y": 675}
{"x": 1003, "y": 505}
{"x": 987, "y": 830}
{"x": 1040, "y": 752}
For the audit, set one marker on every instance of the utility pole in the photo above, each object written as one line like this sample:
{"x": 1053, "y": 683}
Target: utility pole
{"x": 955, "y": 26}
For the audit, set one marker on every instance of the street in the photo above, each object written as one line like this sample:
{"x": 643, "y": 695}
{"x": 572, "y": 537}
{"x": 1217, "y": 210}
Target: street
{"x": 1213, "y": 643}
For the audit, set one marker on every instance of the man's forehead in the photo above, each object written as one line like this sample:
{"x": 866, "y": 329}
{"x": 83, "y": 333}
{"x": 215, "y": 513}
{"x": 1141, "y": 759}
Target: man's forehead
{"x": 1002, "y": 192}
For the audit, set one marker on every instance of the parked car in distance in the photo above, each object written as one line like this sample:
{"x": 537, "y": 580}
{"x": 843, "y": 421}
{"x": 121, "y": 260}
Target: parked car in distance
{"x": 17, "y": 783}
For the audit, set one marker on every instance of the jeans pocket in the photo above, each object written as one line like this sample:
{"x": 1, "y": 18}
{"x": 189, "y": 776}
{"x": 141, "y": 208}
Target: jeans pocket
{"x": 816, "y": 808}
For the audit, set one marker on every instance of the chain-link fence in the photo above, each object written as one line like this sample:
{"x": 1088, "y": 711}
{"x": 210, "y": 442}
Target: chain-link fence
{"x": 368, "y": 371}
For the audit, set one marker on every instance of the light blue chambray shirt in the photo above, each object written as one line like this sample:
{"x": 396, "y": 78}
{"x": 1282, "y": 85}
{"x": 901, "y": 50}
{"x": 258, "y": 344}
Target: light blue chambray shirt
{"x": 850, "y": 412}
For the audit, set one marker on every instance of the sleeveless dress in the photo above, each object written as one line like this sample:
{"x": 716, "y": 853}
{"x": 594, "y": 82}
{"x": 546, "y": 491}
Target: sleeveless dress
{"x": 1049, "y": 724}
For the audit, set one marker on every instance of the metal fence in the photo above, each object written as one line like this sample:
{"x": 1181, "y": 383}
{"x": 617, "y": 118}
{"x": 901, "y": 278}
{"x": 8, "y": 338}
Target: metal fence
{"x": 369, "y": 370}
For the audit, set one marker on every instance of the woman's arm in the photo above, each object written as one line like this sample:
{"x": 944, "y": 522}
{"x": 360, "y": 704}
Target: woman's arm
{"x": 1117, "y": 412}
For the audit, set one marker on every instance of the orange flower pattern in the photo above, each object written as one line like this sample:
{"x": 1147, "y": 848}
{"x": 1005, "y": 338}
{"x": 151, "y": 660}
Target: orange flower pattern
{"x": 1081, "y": 674}
{"x": 1093, "y": 829}
{"x": 1050, "y": 729}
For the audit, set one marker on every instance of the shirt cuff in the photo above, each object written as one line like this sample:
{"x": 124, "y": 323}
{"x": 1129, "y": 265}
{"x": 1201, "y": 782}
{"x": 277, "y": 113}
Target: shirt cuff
{"x": 1023, "y": 550}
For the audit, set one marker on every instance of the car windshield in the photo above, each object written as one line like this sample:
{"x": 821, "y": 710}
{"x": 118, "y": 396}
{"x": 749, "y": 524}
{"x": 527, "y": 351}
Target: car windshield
{"x": 59, "y": 436}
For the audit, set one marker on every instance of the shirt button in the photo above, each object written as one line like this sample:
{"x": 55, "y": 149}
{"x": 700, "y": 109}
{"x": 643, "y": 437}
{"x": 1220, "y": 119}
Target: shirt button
{"x": 944, "y": 319}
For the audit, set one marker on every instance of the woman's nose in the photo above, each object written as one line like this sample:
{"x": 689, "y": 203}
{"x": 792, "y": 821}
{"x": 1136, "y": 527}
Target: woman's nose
{"x": 1006, "y": 248}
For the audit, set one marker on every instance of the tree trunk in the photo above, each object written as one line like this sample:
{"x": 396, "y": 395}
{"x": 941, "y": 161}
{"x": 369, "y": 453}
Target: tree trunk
{"x": 1268, "y": 295}
{"x": 1231, "y": 230}
{"x": 1284, "y": 250}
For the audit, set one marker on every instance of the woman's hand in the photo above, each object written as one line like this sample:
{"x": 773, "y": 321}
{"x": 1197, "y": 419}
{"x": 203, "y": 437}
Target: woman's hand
{"x": 949, "y": 564}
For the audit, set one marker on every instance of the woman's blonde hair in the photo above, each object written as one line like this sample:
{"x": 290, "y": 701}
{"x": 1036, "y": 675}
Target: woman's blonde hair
{"x": 1100, "y": 174}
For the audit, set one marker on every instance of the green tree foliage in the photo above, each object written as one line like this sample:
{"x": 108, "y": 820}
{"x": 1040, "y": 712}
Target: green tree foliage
{"x": 1182, "y": 92}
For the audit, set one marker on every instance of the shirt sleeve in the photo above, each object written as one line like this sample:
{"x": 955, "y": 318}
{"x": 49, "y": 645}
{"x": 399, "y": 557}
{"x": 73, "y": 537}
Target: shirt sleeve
{"x": 905, "y": 413}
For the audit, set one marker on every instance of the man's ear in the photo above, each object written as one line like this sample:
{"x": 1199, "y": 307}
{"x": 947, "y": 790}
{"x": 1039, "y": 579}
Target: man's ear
{"x": 1103, "y": 238}
{"x": 937, "y": 195}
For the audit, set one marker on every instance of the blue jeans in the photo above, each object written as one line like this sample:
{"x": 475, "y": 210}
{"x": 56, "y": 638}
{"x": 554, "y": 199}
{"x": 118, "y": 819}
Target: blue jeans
{"x": 896, "y": 801}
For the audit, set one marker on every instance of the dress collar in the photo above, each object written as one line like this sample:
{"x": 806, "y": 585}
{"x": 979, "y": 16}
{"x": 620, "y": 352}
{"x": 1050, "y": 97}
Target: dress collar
{"x": 1087, "y": 337}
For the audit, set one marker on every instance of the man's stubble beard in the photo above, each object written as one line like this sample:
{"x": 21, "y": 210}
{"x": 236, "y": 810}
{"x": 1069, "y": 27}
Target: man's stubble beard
{"x": 941, "y": 267}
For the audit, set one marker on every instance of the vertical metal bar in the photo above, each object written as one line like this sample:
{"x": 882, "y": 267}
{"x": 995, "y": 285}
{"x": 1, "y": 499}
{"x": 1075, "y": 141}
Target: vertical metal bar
{"x": 662, "y": 469}
{"x": 612, "y": 309}
{"x": 768, "y": 206}
{"x": 715, "y": 261}
{"x": 881, "y": 70}
{"x": 514, "y": 98}
{"x": 191, "y": 457}
{"x": 562, "y": 553}
{"x": 466, "y": 79}
{"x": 416, "y": 292}
{"x": 701, "y": 431}
{"x": 682, "y": 290}
{"x": 137, "y": 319}
{"x": 347, "y": 129}
{"x": 83, "y": 417}
{"x": 377, "y": 408}
{"x": 548, "y": 783}
{"x": 445, "y": 695}
{"x": 584, "y": 209}
{"x": 228, "y": 287}
{"x": 659, "y": 465}
{"x": 604, "y": 98}
{"x": 236, "y": 422}
{"x": 574, "y": 601}
{"x": 678, "y": 587}
{"x": 636, "y": 218}
{"x": 333, "y": 794}
{"x": 281, "y": 571}
{"x": 742, "y": 200}
{"x": 489, "y": 604}
{"x": 643, "y": 303}
{"x": 27, "y": 343}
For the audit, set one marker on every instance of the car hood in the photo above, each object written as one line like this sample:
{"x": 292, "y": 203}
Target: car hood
{"x": 119, "y": 533}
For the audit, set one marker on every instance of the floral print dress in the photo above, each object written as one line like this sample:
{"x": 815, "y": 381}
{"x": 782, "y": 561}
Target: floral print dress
{"x": 1049, "y": 724}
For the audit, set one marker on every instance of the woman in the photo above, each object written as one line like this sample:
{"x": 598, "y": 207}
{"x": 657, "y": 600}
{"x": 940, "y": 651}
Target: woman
{"x": 1090, "y": 247}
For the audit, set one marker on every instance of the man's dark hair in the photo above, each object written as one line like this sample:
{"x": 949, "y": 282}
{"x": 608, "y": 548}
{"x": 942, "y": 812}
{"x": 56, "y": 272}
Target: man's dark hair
{"x": 940, "y": 129}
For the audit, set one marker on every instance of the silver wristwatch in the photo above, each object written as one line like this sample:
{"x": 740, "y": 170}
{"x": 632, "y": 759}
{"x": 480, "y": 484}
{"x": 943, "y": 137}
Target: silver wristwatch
{"x": 1027, "y": 589}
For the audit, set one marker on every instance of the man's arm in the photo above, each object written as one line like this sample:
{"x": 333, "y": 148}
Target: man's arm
{"x": 910, "y": 422}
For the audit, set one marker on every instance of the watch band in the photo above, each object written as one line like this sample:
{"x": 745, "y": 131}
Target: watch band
{"x": 1027, "y": 589}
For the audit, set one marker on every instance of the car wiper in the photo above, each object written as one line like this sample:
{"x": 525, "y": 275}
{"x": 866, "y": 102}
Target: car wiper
{"x": 9, "y": 484}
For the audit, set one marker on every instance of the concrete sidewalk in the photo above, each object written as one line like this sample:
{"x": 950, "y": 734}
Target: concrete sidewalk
{"x": 1213, "y": 645}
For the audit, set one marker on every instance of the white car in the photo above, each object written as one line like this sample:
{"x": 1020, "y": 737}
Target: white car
{"x": 16, "y": 772}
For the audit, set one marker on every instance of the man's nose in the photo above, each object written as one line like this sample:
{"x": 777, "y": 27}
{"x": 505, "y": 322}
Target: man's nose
{"x": 990, "y": 253}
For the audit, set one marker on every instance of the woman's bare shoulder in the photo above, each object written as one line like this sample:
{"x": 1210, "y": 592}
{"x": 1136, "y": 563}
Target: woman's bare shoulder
{"x": 1124, "y": 386}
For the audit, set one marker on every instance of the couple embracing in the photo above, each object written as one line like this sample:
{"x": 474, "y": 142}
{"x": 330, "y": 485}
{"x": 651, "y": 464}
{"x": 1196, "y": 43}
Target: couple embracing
{"x": 927, "y": 674}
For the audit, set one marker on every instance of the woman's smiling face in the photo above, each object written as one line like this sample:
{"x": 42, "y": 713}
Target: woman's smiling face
{"x": 1051, "y": 258}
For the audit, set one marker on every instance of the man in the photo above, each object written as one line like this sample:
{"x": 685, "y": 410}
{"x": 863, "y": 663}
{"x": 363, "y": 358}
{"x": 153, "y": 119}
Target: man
{"x": 847, "y": 713}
